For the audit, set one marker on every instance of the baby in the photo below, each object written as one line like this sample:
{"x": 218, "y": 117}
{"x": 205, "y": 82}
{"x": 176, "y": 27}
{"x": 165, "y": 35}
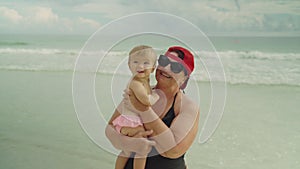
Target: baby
{"x": 142, "y": 62}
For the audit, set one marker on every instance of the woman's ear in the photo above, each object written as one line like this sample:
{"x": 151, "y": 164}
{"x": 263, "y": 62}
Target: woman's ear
{"x": 184, "y": 84}
{"x": 184, "y": 80}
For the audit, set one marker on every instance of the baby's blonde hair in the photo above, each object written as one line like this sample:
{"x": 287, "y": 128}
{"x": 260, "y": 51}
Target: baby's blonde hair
{"x": 145, "y": 51}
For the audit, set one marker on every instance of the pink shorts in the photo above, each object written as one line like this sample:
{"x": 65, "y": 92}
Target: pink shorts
{"x": 127, "y": 121}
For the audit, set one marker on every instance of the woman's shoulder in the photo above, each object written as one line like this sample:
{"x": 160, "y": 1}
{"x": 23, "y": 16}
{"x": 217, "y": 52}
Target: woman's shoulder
{"x": 187, "y": 100}
{"x": 188, "y": 103}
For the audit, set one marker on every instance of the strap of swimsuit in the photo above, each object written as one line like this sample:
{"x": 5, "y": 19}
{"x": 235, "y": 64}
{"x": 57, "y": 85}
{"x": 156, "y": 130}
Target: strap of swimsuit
{"x": 174, "y": 100}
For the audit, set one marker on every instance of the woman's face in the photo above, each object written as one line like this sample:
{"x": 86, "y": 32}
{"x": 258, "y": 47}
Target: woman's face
{"x": 167, "y": 78}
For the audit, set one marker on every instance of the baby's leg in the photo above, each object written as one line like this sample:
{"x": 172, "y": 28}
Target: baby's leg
{"x": 139, "y": 163}
{"x": 122, "y": 160}
{"x": 139, "y": 159}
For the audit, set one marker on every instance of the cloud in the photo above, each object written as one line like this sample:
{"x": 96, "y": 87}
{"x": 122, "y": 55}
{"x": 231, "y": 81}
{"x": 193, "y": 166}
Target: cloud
{"x": 209, "y": 16}
{"x": 79, "y": 25}
{"x": 217, "y": 15}
{"x": 90, "y": 22}
{"x": 110, "y": 9}
{"x": 11, "y": 14}
{"x": 228, "y": 16}
{"x": 43, "y": 19}
{"x": 45, "y": 15}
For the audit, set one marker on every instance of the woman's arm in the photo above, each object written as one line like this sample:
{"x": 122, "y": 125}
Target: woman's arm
{"x": 174, "y": 141}
{"x": 187, "y": 136}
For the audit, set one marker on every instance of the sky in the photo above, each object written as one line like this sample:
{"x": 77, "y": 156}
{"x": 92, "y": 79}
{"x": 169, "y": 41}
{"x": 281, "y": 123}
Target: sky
{"x": 213, "y": 17}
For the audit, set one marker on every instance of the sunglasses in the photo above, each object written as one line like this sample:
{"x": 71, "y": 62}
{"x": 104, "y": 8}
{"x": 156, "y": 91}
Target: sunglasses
{"x": 175, "y": 66}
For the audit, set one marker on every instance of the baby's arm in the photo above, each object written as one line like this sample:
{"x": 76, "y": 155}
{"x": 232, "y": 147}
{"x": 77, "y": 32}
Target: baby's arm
{"x": 140, "y": 92}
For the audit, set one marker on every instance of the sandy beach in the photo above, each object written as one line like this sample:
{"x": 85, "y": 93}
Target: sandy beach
{"x": 39, "y": 127}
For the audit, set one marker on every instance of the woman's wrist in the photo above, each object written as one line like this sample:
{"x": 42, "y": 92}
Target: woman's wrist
{"x": 148, "y": 116}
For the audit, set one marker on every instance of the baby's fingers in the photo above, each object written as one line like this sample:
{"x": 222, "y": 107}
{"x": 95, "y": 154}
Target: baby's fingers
{"x": 143, "y": 134}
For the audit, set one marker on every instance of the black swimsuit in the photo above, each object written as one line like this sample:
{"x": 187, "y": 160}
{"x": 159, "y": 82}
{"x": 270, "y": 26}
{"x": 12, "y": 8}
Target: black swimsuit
{"x": 154, "y": 159}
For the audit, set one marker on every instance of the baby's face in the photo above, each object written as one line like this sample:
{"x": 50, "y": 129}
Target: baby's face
{"x": 141, "y": 65}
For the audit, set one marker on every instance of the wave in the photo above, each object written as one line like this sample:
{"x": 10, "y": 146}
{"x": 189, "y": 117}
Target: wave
{"x": 232, "y": 81}
{"x": 33, "y": 69}
{"x": 42, "y": 51}
{"x": 247, "y": 55}
{"x": 250, "y": 55}
{"x": 13, "y": 43}
{"x": 240, "y": 67}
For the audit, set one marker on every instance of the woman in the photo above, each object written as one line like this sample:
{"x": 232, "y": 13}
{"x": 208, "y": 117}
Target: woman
{"x": 171, "y": 123}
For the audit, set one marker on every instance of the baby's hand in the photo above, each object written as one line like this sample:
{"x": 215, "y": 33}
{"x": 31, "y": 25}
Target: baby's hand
{"x": 153, "y": 97}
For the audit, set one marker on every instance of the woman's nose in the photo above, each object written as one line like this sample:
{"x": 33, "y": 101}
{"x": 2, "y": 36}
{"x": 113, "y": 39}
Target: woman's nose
{"x": 166, "y": 69}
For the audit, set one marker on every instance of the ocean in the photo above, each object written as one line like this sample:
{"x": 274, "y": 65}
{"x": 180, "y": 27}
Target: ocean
{"x": 39, "y": 126}
{"x": 246, "y": 60}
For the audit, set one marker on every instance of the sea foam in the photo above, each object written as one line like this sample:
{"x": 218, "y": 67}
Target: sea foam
{"x": 249, "y": 67}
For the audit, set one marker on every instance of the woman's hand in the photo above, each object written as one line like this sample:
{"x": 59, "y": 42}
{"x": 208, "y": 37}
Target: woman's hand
{"x": 132, "y": 131}
{"x": 139, "y": 143}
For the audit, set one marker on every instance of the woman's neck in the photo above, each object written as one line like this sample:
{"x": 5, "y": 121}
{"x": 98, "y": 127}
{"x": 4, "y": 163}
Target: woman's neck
{"x": 169, "y": 92}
